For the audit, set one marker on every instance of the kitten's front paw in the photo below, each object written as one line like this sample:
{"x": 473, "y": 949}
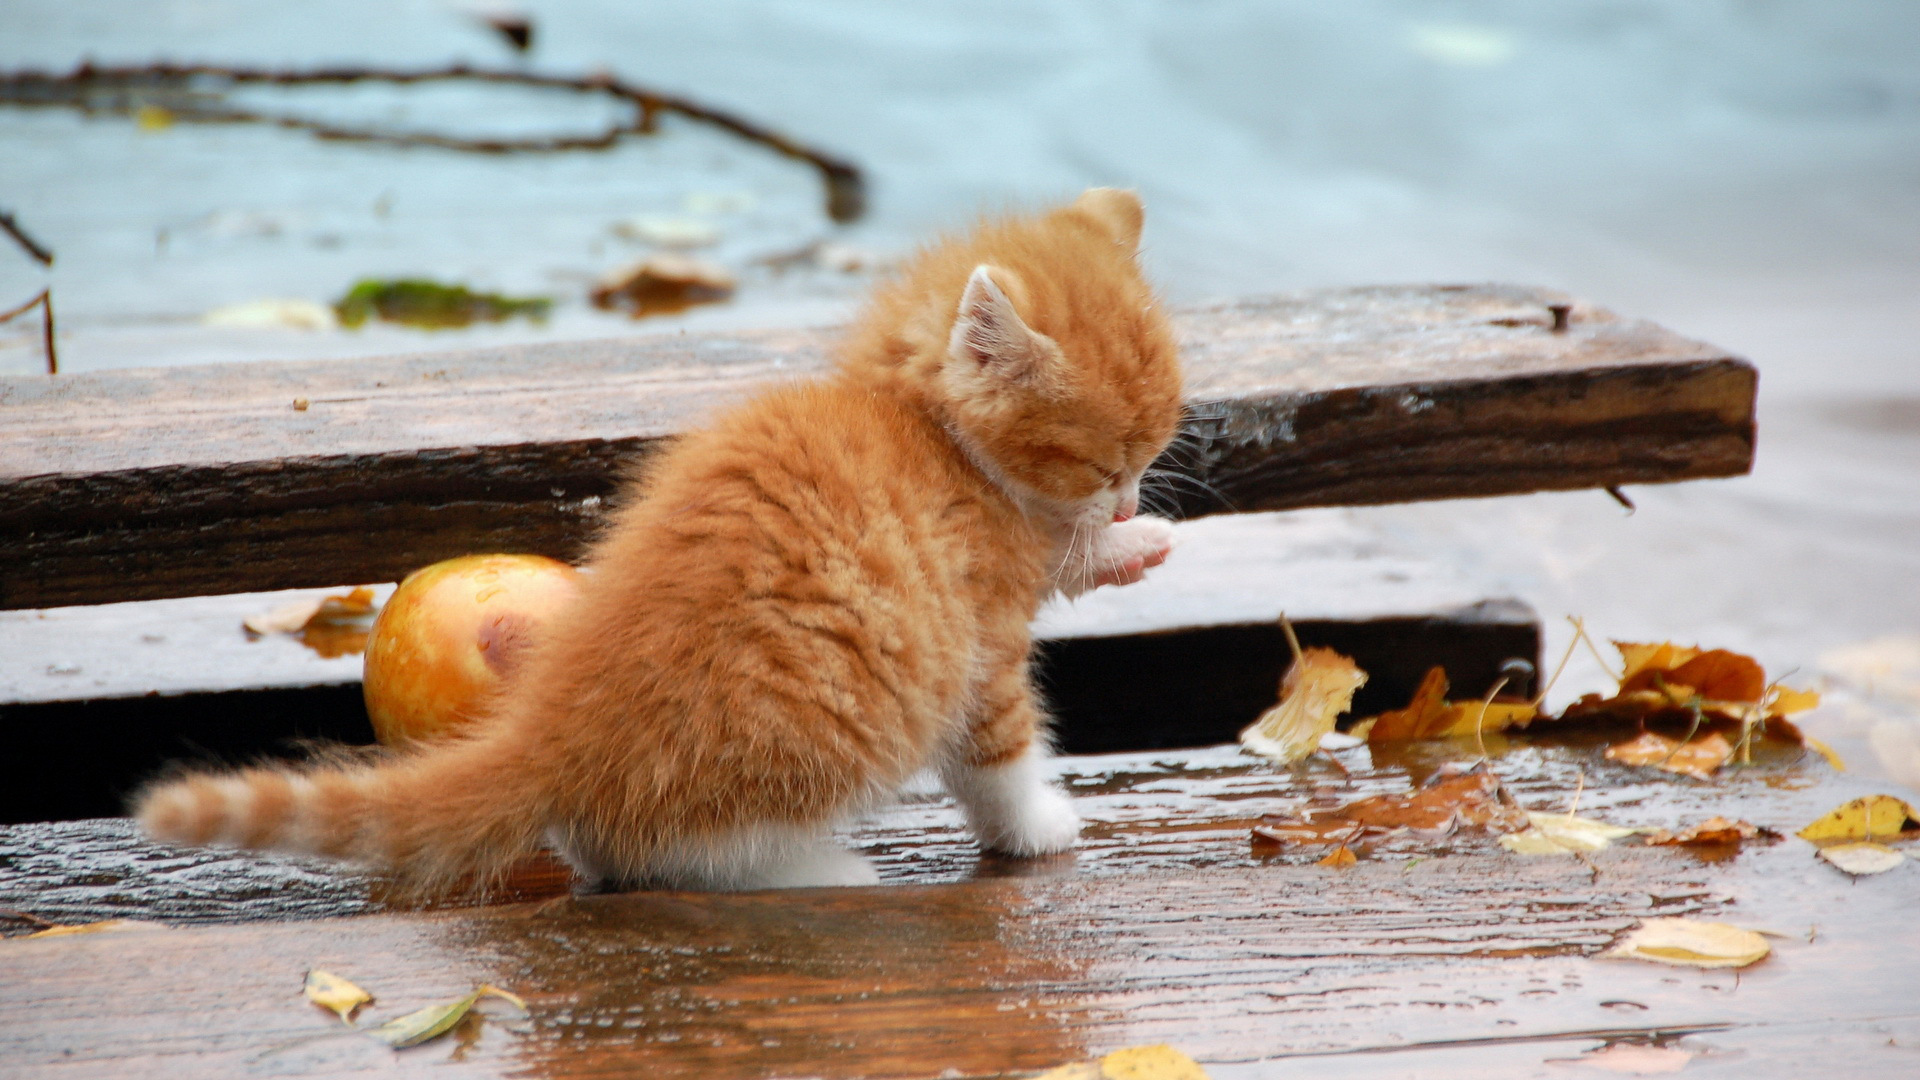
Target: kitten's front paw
{"x": 1125, "y": 550}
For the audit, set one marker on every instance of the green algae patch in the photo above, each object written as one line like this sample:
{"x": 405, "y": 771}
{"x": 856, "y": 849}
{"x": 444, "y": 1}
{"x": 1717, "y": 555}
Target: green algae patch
{"x": 431, "y": 305}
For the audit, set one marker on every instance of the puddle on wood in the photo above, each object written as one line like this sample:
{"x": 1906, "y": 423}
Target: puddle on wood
{"x": 1162, "y": 926}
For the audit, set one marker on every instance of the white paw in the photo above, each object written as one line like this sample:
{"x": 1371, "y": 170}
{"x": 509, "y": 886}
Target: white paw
{"x": 1013, "y": 809}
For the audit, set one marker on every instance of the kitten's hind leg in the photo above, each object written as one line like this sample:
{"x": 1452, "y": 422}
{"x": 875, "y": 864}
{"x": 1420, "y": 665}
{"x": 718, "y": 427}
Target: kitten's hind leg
{"x": 822, "y": 863}
{"x": 760, "y": 857}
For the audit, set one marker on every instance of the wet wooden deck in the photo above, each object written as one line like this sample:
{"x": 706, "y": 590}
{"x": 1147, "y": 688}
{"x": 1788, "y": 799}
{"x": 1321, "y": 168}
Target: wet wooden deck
{"x": 1429, "y": 958}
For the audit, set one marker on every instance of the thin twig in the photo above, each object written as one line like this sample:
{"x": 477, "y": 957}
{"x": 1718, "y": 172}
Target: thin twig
{"x": 1293, "y": 642}
{"x": 41, "y": 253}
{"x": 184, "y": 91}
{"x": 1580, "y": 631}
{"x": 43, "y": 301}
{"x": 1480, "y": 723}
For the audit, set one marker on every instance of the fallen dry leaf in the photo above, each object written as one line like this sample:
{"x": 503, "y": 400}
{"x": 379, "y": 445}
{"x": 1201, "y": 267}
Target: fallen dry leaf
{"x": 663, "y": 284}
{"x": 1633, "y": 1059}
{"x": 329, "y": 625}
{"x": 1697, "y": 758}
{"x": 1318, "y": 687}
{"x": 1863, "y": 819}
{"x": 1340, "y": 856}
{"x": 1562, "y": 834}
{"x": 1714, "y": 830}
{"x": 1423, "y": 717}
{"x": 1159, "y": 1062}
{"x": 1690, "y": 943}
{"x": 1668, "y": 682}
{"x": 1863, "y": 858}
{"x": 1431, "y": 716}
{"x": 436, "y": 1020}
{"x": 1452, "y": 798}
{"x": 105, "y": 926}
{"x": 330, "y": 991}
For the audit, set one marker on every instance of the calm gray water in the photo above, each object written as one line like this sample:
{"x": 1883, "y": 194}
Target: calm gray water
{"x": 1745, "y": 171}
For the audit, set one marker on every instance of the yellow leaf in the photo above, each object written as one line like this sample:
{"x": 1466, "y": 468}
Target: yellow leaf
{"x": 1863, "y": 819}
{"x": 1562, "y": 834}
{"x": 1690, "y": 943}
{"x": 436, "y": 1020}
{"x": 1340, "y": 857}
{"x": 153, "y": 118}
{"x": 1664, "y": 656}
{"x": 107, "y": 926}
{"x": 1786, "y": 701}
{"x": 1464, "y": 717}
{"x": 1159, "y": 1062}
{"x": 1863, "y": 858}
{"x": 330, "y": 991}
{"x": 1317, "y": 689}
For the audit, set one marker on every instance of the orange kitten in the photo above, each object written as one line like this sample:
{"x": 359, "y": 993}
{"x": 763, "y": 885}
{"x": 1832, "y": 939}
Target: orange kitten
{"x": 797, "y": 608}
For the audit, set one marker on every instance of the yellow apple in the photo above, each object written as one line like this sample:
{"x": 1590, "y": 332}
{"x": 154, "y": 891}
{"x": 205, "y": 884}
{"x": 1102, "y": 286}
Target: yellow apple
{"x": 448, "y": 638}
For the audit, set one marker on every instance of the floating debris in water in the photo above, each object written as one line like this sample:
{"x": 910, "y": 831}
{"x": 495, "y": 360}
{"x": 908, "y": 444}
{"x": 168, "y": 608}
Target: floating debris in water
{"x": 273, "y": 314}
{"x": 431, "y": 305}
{"x": 663, "y": 285}
{"x": 665, "y": 230}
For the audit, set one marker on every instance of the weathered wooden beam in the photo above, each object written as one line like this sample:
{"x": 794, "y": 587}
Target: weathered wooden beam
{"x": 156, "y": 483}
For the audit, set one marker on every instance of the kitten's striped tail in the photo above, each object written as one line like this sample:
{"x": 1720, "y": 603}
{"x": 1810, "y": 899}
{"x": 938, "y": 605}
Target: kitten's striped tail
{"x": 454, "y": 813}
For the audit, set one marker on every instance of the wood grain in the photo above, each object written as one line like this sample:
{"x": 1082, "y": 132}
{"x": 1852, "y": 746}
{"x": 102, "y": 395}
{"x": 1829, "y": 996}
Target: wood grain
{"x": 146, "y": 484}
{"x": 1429, "y": 958}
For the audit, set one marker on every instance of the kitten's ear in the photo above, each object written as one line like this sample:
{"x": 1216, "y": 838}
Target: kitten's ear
{"x": 988, "y": 333}
{"x": 1117, "y": 211}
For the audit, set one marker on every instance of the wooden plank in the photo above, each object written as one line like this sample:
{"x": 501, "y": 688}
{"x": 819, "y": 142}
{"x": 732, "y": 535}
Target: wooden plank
{"x": 175, "y": 482}
{"x": 1163, "y": 928}
{"x": 1188, "y": 657}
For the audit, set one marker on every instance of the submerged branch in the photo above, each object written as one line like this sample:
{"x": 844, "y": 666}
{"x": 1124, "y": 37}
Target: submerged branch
{"x": 40, "y": 252}
{"x": 192, "y": 93}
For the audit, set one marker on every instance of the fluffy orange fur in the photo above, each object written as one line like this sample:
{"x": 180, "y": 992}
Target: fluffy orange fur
{"x": 798, "y": 607}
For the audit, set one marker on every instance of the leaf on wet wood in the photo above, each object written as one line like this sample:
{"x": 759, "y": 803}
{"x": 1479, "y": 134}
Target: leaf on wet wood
{"x": 1316, "y": 690}
{"x": 1159, "y": 1062}
{"x": 1452, "y": 798}
{"x": 1863, "y": 819}
{"x": 434, "y": 1021}
{"x": 1690, "y": 943}
{"x": 1697, "y": 758}
{"x": 330, "y": 991}
{"x": 1863, "y": 858}
{"x": 1431, "y": 716}
{"x": 105, "y": 926}
{"x": 298, "y": 615}
{"x": 1341, "y": 856}
{"x": 1633, "y": 1059}
{"x": 1562, "y": 834}
{"x": 1714, "y": 830}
